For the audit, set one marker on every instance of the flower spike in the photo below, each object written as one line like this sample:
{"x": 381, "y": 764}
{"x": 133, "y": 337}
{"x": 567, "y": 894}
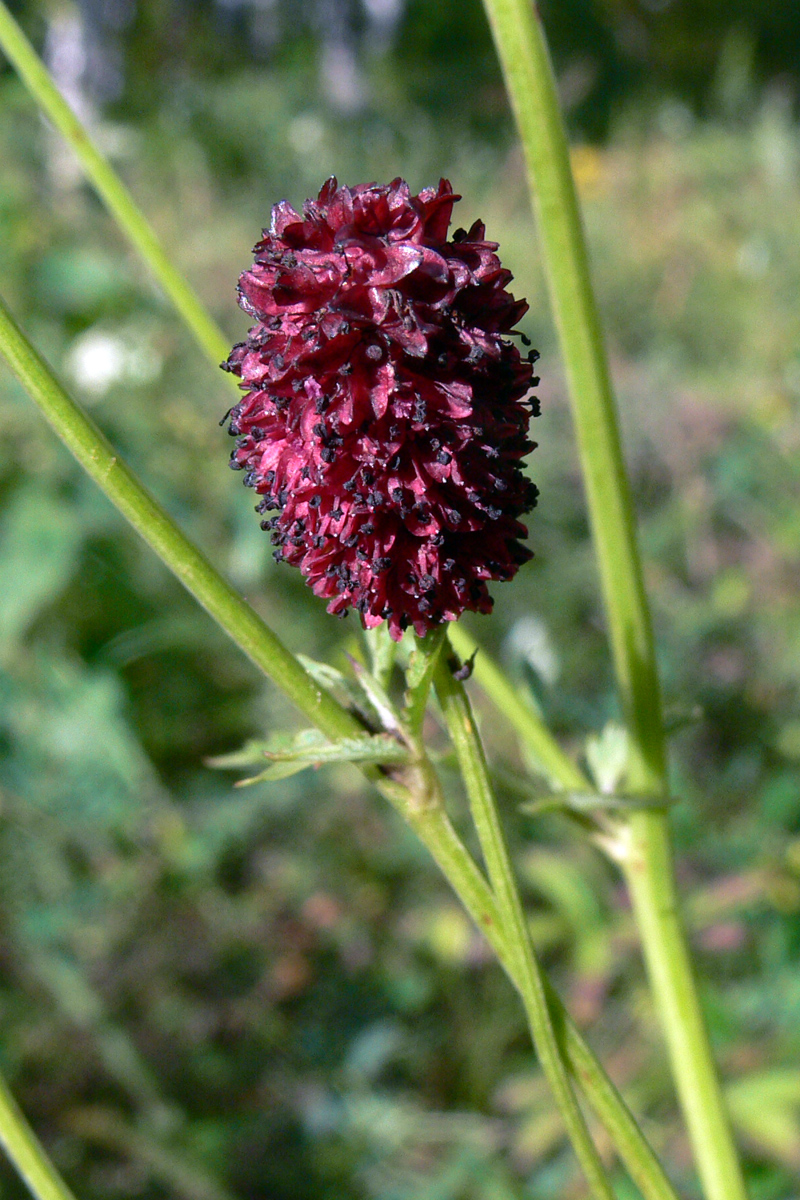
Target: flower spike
{"x": 385, "y": 411}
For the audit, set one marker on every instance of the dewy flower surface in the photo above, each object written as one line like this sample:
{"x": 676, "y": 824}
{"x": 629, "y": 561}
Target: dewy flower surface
{"x": 385, "y": 414}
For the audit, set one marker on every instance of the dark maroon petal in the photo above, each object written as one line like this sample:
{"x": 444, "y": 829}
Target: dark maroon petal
{"x": 384, "y": 417}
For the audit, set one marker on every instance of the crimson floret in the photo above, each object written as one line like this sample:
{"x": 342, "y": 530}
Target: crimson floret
{"x": 385, "y": 415}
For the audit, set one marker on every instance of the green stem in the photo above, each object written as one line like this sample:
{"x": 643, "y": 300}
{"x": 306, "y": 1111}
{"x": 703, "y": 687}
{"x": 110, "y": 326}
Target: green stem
{"x": 523, "y": 53}
{"x": 469, "y": 752}
{"x": 26, "y": 1152}
{"x": 531, "y": 86}
{"x": 650, "y": 874}
{"x": 260, "y": 644}
{"x": 559, "y": 769}
{"x": 110, "y": 188}
{"x": 151, "y": 521}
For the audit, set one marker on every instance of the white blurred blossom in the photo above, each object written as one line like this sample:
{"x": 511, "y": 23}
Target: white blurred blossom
{"x": 98, "y": 359}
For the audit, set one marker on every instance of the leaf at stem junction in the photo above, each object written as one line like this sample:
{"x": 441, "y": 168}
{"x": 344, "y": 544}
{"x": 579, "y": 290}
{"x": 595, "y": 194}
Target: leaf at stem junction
{"x": 289, "y": 755}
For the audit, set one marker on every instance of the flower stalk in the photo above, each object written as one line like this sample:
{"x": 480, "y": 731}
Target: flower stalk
{"x": 516, "y": 953}
{"x": 523, "y": 53}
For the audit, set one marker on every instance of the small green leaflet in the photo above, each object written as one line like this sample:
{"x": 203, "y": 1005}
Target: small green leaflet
{"x": 335, "y": 681}
{"x": 287, "y": 756}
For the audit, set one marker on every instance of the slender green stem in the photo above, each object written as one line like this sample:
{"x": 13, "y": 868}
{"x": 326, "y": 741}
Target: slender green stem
{"x": 523, "y": 53}
{"x": 151, "y": 521}
{"x": 26, "y": 1152}
{"x": 260, "y": 644}
{"x": 469, "y": 752}
{"x": 110, "y": 188}
{"x": 649, "y": 871}
{"x": 559, "y": 768}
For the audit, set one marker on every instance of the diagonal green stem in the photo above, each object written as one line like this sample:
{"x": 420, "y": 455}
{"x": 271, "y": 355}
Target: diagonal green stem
{"x": 260, "y": 644}
{"x": 461, "y": 726}
{"x": 523, "y": 53}
{"x": 110, "y": 188}
{"x": 26, "y": 1152}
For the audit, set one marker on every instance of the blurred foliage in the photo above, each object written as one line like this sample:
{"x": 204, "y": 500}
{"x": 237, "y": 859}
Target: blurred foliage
{"x": 142, "y": 55}
{"x": 269, "y": 993}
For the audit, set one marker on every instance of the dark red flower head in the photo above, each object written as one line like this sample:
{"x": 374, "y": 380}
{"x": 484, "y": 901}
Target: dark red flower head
{"x": 384, "y": 415}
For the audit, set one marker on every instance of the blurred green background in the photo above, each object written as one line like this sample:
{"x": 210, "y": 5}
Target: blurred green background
{"x": 210, "y": 993}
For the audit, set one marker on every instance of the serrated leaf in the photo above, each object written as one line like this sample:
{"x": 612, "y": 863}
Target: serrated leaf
{"x": 310, "y": 748}
{"x": 280, "y": 770}
{"x": 251, "y": 752}
{"x": 377, "y": 748}
{"x": 255, "y": 750}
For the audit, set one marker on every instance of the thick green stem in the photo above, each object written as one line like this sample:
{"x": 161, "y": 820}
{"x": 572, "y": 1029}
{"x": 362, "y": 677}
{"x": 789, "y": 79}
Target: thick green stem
{"x": 531, "y": 86}
{"x": 530, "y": 977}
{"x": 110, "y": 188}
{"x": 650, "y": 875}
{"x": 26, "y": 1153}
{"x": 152, "y": 522}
